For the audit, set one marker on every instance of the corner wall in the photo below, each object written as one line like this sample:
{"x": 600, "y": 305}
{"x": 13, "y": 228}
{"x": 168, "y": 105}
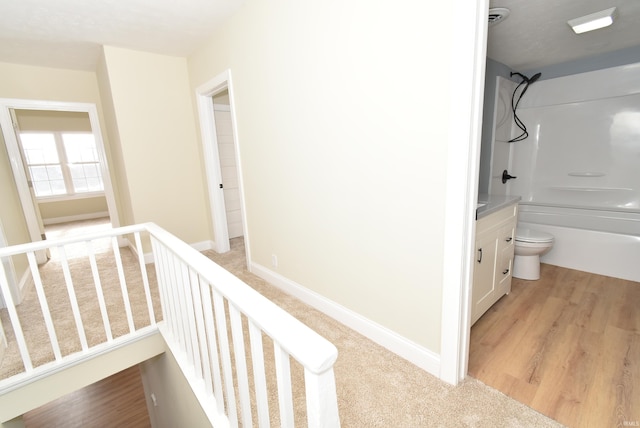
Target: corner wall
{"x": 150, "y": 119}
{"x": 175, "y": 404}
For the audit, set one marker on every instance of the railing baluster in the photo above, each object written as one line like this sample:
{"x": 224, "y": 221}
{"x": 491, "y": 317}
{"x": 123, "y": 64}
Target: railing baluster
{"x": 241, "y": 365}
{"x": 205, "y": 311}
{"x": 197, "y": 324}
{"x": 179, "y": 331}
{"x": 191, "y": 282}
{"x": 15, "y": 320}
{"x": 205, "y": 292}
{"x": 283, "y": 376}
{"x": 257, "y": 357}
{"x": 160, "y": 266}
{"x": 44, "y": 306}
{"x": 223, "y": 342}
{"x": 99, "y": 292}
{"x": 123, "y": 283}
{"x": 73, "y": 299}
{"x": 322, "y": 402}
{"x": 181, "y": 277}
{"x": 145, "y": 279}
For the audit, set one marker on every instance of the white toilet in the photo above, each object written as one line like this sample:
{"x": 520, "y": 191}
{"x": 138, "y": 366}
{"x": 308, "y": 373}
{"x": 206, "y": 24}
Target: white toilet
{"x": 529, "y": 246}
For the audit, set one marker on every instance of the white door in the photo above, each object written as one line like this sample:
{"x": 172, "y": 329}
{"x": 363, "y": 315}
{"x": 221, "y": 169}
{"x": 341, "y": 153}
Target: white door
{"x": 229, "y": 170}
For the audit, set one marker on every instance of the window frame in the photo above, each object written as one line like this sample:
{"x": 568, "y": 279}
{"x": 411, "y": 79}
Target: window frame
{"x": 70, "y": 194}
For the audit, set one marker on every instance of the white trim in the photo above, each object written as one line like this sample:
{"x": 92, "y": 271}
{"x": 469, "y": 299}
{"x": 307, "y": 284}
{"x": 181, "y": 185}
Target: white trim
{"x": 416, "y": 354}
{"x": 203, "y": 245}
{"x": 204, "y": 94}
{"x": 75, "y": 217}
{"x": 469, "y": 45}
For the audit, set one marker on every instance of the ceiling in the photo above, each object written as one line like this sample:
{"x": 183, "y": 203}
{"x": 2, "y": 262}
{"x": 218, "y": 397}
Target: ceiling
{"x": 69, "y": 33}
{"x": 536, "y": 33}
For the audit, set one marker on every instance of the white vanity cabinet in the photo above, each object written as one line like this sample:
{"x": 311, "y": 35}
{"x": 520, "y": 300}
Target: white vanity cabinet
{"x": 493, "y": 260}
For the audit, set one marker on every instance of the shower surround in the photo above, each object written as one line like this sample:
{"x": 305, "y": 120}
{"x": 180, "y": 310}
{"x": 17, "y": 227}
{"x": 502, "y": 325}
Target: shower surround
{"x": 578, "y": 172}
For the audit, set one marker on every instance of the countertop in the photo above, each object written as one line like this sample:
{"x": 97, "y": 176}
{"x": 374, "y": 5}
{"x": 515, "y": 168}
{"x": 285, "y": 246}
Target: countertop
{"x": 488, "y": 204}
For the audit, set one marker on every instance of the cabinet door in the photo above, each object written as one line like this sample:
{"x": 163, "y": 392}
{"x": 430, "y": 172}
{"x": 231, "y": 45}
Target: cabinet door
{"x": 506, "y": 242}
{"x": 484, "y": 274}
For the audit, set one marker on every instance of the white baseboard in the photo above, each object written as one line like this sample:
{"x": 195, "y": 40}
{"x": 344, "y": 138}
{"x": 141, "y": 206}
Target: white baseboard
{"x": 204, "y": 245}
{"x": 399, "y": 345}
{"x": 198, "y": 246}
{"x": 77, "y": 217}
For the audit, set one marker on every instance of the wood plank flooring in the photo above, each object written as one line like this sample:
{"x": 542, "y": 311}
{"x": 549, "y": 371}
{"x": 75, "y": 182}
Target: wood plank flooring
{"x": 117, "y": 401}
{"x": 567, "y": 346}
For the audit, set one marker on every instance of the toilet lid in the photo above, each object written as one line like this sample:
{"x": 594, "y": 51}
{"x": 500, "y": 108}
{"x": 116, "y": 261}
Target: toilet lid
{"x": 525, "y": 234}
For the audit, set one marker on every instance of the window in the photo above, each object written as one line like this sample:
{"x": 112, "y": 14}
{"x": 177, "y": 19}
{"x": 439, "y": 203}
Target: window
{"x": 62, "y": 164}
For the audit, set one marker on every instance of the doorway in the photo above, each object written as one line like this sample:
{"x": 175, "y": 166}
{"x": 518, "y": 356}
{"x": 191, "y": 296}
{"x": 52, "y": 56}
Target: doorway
{"x": 29, "y": 207}
{"x": 222, "y": 162}
{"x": 228, "y": 164}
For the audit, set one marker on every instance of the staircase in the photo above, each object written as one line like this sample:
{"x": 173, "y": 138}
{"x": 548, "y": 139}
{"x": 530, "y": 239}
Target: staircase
{"x": 246, "y": 360}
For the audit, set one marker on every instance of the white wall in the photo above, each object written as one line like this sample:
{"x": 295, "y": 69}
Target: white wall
{"x": 582, "y": 150}
{"x": 175, "y": 403}
{"x": 342, "y": 115}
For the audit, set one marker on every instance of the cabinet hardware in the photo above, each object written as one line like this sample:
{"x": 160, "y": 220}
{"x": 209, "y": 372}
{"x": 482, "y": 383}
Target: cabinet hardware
{"x": 479, "y": 255}
{"x": 509, "y": 239}
{"x": 506, "y": 271}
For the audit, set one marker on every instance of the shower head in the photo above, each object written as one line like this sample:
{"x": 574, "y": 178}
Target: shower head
{"x": 534, "y": 78}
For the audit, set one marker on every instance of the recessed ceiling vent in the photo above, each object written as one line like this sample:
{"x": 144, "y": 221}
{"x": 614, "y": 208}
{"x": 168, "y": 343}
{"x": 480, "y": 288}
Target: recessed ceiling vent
{"x": 498, "y": 14}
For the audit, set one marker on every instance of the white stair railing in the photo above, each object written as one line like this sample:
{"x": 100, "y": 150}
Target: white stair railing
{"x": 64, "y": 269}
{"x": 203, "y": 303}
{"x": 214, "y": 323}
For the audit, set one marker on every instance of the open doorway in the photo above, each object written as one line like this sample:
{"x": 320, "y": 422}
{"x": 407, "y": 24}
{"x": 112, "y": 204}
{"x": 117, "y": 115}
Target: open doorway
{"x": 59, "y": 154}
{"x": 222, "y": 162}
{"x": 21, "y": 177}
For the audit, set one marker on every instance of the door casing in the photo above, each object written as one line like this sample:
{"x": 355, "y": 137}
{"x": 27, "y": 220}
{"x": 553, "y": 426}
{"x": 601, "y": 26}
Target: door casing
{"x": 204, "y": 97}
{"x": 19, "y": 174}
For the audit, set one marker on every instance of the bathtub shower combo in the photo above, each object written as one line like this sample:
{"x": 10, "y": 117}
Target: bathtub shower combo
{"x": 578, "y": 171}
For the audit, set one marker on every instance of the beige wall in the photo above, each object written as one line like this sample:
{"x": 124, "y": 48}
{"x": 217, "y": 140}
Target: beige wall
{"x": 177, "y": 406}
{"x": 150, "y": 108}
{"x": 342, "y": 114}
{"x": 53, "y": 84}
{"x": 11, "y": 216}
{"x": 60, "y": 210}
{"x": 119, "y": 172}
{"x": 43, "y": 83}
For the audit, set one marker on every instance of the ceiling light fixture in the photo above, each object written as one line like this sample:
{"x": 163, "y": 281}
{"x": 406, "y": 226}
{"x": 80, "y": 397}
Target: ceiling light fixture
{"x": 594, "y": 21}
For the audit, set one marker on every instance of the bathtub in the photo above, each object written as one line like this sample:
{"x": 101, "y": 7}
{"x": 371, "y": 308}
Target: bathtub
{"x": 592, "y": 240}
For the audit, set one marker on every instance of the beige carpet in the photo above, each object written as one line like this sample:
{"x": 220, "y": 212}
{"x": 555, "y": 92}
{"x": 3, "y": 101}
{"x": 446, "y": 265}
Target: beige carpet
{"x": 375, "y": 387}
{"x": 31, "y": 316}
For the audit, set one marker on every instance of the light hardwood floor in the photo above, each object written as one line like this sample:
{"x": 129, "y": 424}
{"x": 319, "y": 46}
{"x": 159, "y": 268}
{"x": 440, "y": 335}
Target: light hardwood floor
{"x": 567, "y": 345}
{"x": 117, "y": 401}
